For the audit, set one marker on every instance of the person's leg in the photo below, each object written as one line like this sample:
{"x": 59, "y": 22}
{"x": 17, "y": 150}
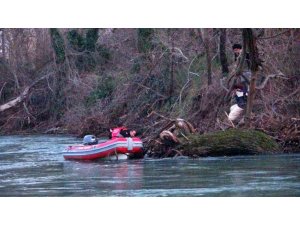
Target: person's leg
{"x": 235, "y": 112}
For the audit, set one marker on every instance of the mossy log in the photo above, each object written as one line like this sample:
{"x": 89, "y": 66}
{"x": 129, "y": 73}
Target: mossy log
{"x": 228, "y": 143}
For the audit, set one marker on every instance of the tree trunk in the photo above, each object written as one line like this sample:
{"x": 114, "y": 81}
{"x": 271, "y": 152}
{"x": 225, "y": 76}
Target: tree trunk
{"x": 250, "y": 40}
{"x": 21, "y": 97}
{"x": 59, "y": 98}
{"x": 208, "y": 55}
{"x": 3, "y": 44}
{"x": 15, "y": 101}
{"x": 58, "y": 45}
{"x": 171, "y": 89}
{"x": 223, "y": 57}
{"x": 144, "y": 38}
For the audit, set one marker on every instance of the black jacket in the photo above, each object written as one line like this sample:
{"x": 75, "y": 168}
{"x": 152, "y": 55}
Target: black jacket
{"x": 125, "y": 133}
{"x": 242, "y": 100}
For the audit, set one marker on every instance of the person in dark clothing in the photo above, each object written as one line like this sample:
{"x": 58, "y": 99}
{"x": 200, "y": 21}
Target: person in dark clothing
{"x": 237, "y": 50}
{"x": 109, "y": 135}
{"x": 246, "y": 72}
{"x": 240, "y": 95}
{"x": 128, "y": 133}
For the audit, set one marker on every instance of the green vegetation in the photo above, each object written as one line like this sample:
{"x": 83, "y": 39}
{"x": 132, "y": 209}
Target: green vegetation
{"x": 79, "y": 43}
{"x": 91, "y": 39}
{"x": 103, "y": 53}
{"x": 58, "y": 45}
{"x": 76, "y": 41}
{"x": 145, "y": 36}
{"x": 89, "y": 53}
{"x": 104, "y": 89}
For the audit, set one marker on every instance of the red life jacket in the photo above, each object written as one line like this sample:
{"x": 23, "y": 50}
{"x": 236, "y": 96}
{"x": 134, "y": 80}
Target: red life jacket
{"x": 116, "y": 132}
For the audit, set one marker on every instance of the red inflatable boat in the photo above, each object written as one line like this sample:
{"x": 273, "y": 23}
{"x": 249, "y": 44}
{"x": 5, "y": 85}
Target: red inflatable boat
{"x": 131, "y": 147}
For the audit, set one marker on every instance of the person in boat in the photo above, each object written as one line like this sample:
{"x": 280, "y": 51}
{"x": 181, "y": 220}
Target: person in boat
{"x": 240, "y": 93}
{"x": 116, "y": 132}
{"x": 121, "y": 131}
{"x": 128, "y": 133}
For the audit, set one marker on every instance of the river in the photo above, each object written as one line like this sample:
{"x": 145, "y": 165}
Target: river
{"x": 33, "y": 165}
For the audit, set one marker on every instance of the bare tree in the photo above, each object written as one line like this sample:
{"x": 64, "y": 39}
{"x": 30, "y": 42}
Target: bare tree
{"x": 3, "y": 43}
{"x": 206, "y": 41}
{"x": 251, "y": 45}
{"x": 171, "y": 88}
{"x": 223, "y": 57}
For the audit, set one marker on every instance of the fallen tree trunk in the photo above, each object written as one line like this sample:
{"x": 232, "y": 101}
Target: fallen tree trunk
{"x": 229, "y": 143}
{"x": 21, "y": 97}
{"x": 15, "y": 101}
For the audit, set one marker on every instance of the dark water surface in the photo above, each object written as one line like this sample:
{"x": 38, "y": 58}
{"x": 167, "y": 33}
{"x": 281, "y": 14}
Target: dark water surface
{"x": 34, "y": 166}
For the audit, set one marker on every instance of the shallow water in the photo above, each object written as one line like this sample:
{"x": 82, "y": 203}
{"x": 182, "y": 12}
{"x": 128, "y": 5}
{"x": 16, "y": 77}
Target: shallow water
{"x": 34, "y": 166}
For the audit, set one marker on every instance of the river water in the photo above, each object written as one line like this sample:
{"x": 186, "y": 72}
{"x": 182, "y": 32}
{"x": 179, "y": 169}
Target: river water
{"x": 34, "y": 166}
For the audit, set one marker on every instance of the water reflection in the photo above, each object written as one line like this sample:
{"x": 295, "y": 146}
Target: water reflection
{"x": 105, "y": 175}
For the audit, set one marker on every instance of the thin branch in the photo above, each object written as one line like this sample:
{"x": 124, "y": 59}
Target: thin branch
{"x": 196, "y": 74}
{"x": 188, "y": 80}
{"x": 288, "y": 96}
{"x": 276, "y": 35}
{"x": 160, "y": 115}
{"x": 261, "y": 86}
{"x": 222, "y": 84}
{"x": 181, "y": 53}
{"x": 2, "y": 89}
{"x": 28, "y": 113}
{"x": 49, "y": 85}
{"x": 150, "y": 89}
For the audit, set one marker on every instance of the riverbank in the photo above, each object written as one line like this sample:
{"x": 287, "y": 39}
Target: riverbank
{"x": 220, "y": 143}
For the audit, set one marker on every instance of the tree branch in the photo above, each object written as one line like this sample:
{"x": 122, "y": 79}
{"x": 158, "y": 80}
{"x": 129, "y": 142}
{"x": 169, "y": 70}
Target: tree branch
{"x": 187, "y": 81}
{"x": 263, "y": 84}
{"x": 276, "y": 35}
{"x": 222, "y": 84}
{"x": 150, "y": 89}
{"x": 287, "y": 97}
{"x": 2, "y": 89}
{"x": 181, "y": 53}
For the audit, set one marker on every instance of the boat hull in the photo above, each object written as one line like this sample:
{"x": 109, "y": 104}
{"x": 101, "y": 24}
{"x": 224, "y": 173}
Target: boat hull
{"x": 127, "y": 146}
